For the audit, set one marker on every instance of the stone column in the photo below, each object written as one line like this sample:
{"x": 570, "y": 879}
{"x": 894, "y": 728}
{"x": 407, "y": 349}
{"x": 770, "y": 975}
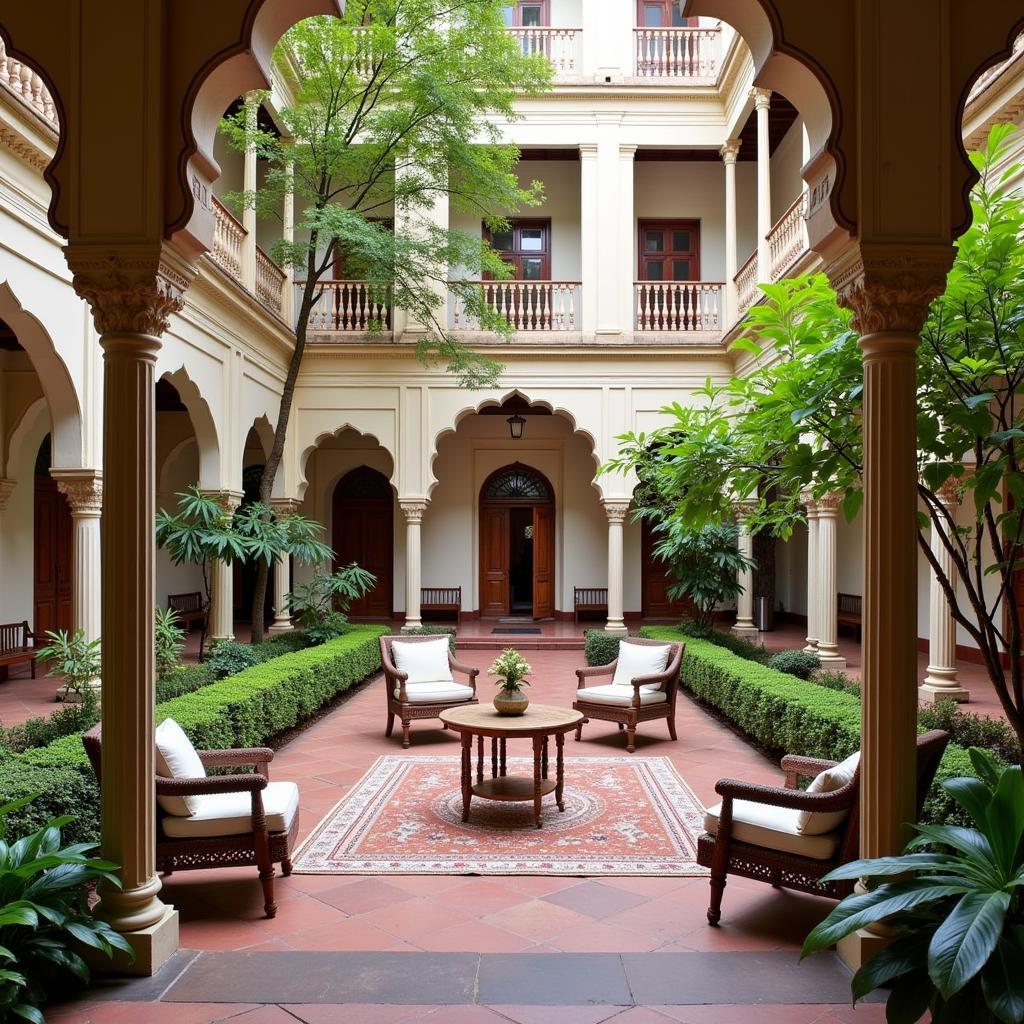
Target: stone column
{"x": 283, "y": 573}
{"x": 745, "y": 601}
{"x": 762, "y": 100}
{"x": 413, "y": 510}
{"x": 627, "y": 236}
{"x": 812, "y": 572}
{"x": 252, "y": 108}
{"x": 222, "y": 578}
{"x": 729, "y": 152}
{"x": 616, "y": 511}
{"x": 940, "y": 682}
{"x": 288, "y": 235}
{"x": 589, "y": 241}
{"x": 132, "y": 293}
{"x": 83, "y": 489}
{"x": 825, "y": 621}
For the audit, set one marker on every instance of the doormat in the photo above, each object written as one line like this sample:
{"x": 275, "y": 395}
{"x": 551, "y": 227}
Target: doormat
{"x": 521, "y": 630}
{"x": 629, "y": 816}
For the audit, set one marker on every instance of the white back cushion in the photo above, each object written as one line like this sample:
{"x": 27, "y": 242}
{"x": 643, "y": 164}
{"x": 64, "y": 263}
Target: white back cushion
{"x": 176, "y": 758}
{"x": 639, "y": 660}
{"x": 817, "y": 823}
{"x": 424, "y": 662}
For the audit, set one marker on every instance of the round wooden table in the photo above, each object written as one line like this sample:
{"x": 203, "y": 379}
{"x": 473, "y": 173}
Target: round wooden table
{"x": 539, "y": 722}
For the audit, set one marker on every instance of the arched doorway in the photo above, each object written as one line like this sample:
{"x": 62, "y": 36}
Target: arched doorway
{"x": 53, "y": 529}
{"x": 363, "y": 531}
{"x": 517, "y": 543}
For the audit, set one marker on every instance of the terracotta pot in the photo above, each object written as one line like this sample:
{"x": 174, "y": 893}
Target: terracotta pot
{"x": 511, "y": 702}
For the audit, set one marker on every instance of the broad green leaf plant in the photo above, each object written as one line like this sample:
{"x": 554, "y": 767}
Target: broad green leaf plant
{"x": 44, "y": 916}
{"x": 954, "y": 901}
{"x": 321, "y": 604}
{"x": 72, "y": 657}
{"x": 788, "y": 425}
{"x": 397, "y": 106}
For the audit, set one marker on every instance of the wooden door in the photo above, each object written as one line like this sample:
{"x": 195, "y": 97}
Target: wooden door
{"x": 53, "y": 531}
{"x": 655, "y": 581}
{"x": 661, "y": 14}
{"x": 669, "y": 250}
{"x": 495, "y": 548}
{"x": 526, "y": 14}
{"x": 363, "y": 532}
{"x": 543, "y": 561}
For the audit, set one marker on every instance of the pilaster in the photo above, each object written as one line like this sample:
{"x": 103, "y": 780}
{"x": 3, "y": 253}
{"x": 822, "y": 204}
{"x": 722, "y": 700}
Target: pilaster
{"x": 83, "y": 489}
{"x": 616, "y": 511}
{"x": 729, "y": 152}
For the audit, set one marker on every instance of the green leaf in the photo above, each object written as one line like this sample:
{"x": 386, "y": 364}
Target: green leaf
{"x": 909, "y": 999}
{"x": 903, "y": 956}
{"x": 965, "y": 940}
{"x": 29, "y": 1013}
{"x": 1002, "y": 982}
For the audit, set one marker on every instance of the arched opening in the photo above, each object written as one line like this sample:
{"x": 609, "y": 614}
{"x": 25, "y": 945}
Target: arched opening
{"x": 52, "y": 536}
{"x": 362, "y": 525}
{"x": 517, "y": 543}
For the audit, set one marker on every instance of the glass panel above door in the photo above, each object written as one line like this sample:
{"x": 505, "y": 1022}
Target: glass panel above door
{"x": 532, "y": 15}
{"x": 531, "y": 239}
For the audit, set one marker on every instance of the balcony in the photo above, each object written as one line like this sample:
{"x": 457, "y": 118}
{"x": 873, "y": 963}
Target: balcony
{"x": 678, "y": 54}
{"x": 28, "y": 87}
{"x": 787, "y": 242}
{"x": 350, "y": 307}
{"x": 678, "y": 307}
{"x": 561, "y": 47}
{"x": 526, "y": 306}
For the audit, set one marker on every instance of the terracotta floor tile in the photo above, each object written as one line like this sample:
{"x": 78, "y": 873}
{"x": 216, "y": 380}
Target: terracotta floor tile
{"x": 474, "y": 937}
{"x": 463, "y": 1015}
{"x": 357, "y": 1013}
{"x": 602, "y": 937}
{"x": 351, "y": 933}
{"x": 559, "y": 1014}
{"x": 414, "y": 919}
{"x": 265, "y": 1015}
{"x": 596, "y": 900}
{"x": 641, "y": 1015}
{"x": 538, "y": 920}
{"x": 364, "y": 895}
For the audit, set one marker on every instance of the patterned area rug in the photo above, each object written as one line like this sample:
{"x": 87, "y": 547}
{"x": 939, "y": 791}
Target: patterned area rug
{"x": 623, "y": 816}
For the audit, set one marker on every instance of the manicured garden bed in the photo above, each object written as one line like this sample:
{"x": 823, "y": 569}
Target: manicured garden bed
{"x": 244, "y": 710}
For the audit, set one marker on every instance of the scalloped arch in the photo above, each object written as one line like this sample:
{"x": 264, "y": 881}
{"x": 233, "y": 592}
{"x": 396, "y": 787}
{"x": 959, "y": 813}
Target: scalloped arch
{"x": 307, "y": 452}
{"x": 203, "y": 426}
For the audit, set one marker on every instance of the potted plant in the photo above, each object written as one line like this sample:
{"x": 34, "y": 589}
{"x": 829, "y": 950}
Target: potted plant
{"x": 511, "y": 668}
{"x": 954, "y": 903}
{"x": 74, "y": 658}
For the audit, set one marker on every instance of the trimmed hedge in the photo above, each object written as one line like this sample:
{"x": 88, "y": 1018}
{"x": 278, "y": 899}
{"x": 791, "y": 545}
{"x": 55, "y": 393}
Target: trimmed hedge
{"x": 245, "y": 710}
{"x": 601, "y": 648}
{"x": 788, "y": 715}
{"x": 448, "y": 631}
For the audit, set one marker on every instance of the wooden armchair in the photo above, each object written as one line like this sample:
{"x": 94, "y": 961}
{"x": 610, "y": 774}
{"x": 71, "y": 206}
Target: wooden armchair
{"x": 245, "y": 819}
{"x": 753, "y": 831}
{"x": 642, "y": 699}
{"x": 409, "y": 699}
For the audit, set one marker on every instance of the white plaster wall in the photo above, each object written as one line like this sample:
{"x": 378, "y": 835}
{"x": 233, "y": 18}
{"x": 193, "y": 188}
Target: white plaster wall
{"x": 791, "y": 572}
{"x": 568, "y": 13}
{"x": 175, "y": 472}
{"x": 785, "y": 166}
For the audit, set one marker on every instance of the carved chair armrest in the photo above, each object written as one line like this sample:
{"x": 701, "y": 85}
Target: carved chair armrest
{"x": 236, "y": 758}
{"x": 797, "y": 767}
{"x": 594, "y": 670}
{"x": 394, "y": 679}
{"x": 468, "y": 670}
{"x": 248, "y": 783}
{"x": 779, "y": 796}
{"x": 649, "y": 680}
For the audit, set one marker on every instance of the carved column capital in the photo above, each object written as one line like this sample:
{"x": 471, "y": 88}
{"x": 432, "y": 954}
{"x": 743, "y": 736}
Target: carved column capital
{"x": 730, "y": 150}
{"x": 889, "y": 288}
{"x": 742, "y": 507}
{"x": 228, "y": 500}
{"x": 616, "y": 510}
{"x": 829, "y": 504}
{"x": 285, "y": 506}
{"x": 762, "y": 98}
{"x": 130, "y": 289}
{"x": 413, "y": 509}
{"x": 808, "y": 502}
{"x": 6, "y": 490}
{"x": 83, "y": 489}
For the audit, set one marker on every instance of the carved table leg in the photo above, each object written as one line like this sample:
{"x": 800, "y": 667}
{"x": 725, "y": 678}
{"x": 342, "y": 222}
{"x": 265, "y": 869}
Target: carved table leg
{"x": 467, "y": 773}
{"x": 560, "y": 770}
{"x": 494, "y": 757}
{"x": 504, "y": 771}
{"x": 538, "y": 747}
{"x": 479, "y": 759}
{"x": 544, "y": 760}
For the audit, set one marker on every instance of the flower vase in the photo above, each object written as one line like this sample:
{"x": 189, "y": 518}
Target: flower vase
{"x": 511, "y": 702}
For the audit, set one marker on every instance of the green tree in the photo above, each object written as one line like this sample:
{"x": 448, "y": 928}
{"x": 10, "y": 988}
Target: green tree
{"x": 792, "y": 423}
{"x": 397, "y": 106}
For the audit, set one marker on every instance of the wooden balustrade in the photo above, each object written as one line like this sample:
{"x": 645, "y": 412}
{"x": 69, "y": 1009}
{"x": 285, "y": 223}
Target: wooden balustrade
{"x": 28, "y": 86}
{"x": 270, "y": 280}
{"x": 677, "y": 52}
{"x": 746, "y": 284}
{"x": 788, "y": 238}
{"x": 678, "y": 306}
{"x": 525, "y": 305}
{"x": 354, "y": 307}
{"x": 227, "y": 239}
{"x": 558, "y": 45}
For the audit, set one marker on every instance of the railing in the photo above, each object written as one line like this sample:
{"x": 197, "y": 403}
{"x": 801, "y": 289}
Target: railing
{"x": 524, "y": 305}
{"x": 227, "y": 239}
{"x": 677, "y": 52}
{"x": 269, "y": 282}
{"x": 21, "y": 80}
{"x": 678, "y": 306}
{"x": 787, "y": 238}
{"x": 559, "y": 45}
{"x": 353, "y": 307}
{"x": 746, "y": 284}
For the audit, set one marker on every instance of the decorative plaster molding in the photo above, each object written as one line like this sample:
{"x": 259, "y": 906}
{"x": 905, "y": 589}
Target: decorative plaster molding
{"x": 829, "y": 504}
{"x": 616, "y": 510}
{"x": 286, "y": 506}
{"x": 413, "y": 509}
{"x": 808, "y": 502}
{"x": 23, "y": 149}
{"x": 6, "y": 490}
{"x": 83, "y": 489}
{"x": 762, "y": 98}
{"x": 228, "y": 500}
{"x": 730, "y": 150}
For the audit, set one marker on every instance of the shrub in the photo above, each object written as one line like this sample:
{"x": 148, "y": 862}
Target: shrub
{"x": 836, "y": 680}
{"x": 169, "y": 641}
{"x": 601, "y": 648}
{"x": 739, "y": 645}
{"x": 448, "y": 631}
{"x": 228, "y": 658}
{"x": 972, "y": 730}
{"x": 61, "y": 789}
{"x": 185, "y": 679}
{"x": 796, "y": 663}
{"x": 328, "y": 627}
{"x": 71, "y": 719}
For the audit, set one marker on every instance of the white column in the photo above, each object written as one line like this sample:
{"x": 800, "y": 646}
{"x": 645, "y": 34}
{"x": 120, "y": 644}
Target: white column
{"x": 745, "y": 601}
{"x": 288, "y": 235}
{"x": 627, "y": 237}
{"x": 413, "y": 510}
{"x": 940, "y": 682}
{"x": 222, "y": 580}
{"x": 812, "y": 573}
{"x": 83, "y": 489}
{"x": 609, "y": 259}
{"x": 249, "y": 186}
{"x": 589, "y": 245}
{"x": 420, "y": 224}
{"x": 283, "y": 573}
{"x": 762, "y": 99}
{"x": 729, "y": 152}
{"x": 826, "y": 619}
{"x": 616, "y": 513}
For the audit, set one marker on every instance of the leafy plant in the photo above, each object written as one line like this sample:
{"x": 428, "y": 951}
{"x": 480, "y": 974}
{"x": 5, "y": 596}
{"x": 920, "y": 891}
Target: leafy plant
{"x": 321, "y": 605}
{"x": 74, "y": 658}
{"x": 44, "y": 914}
{"x": 601, "y": 647}
{"x": 510, "y": 668}
{"x": 730, "y": 641}
{"x": 228, "y": 658}
{"x": 448, "y": 631}
{"x": 169, "y": 640}
{"x": 953, "y": 900}
{"x": 971, "y": 730}
{"x": 797, "y": 663}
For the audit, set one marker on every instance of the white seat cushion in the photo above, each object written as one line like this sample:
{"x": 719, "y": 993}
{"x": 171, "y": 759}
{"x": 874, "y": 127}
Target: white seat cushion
{"x": 773, "y": 828}
{"x": 639, "y": 660}
{"x": 816, "y": 823}
{"x": 433, "y": 693}
{"x": 230, "y": 814}
{"x": 176, "y": 758}
{"x": 621, "y": 696}
{"x": 423, "y": 663}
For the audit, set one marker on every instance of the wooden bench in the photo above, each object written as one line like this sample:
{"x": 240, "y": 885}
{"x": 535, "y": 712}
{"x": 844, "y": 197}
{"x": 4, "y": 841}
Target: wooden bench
{"x": 442, "y": 599}
{"x": 589, "y": 599}
{"x": 189, "y": 608}
{"x": 848, "y": 611}
{"x": 15, "y": 648}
